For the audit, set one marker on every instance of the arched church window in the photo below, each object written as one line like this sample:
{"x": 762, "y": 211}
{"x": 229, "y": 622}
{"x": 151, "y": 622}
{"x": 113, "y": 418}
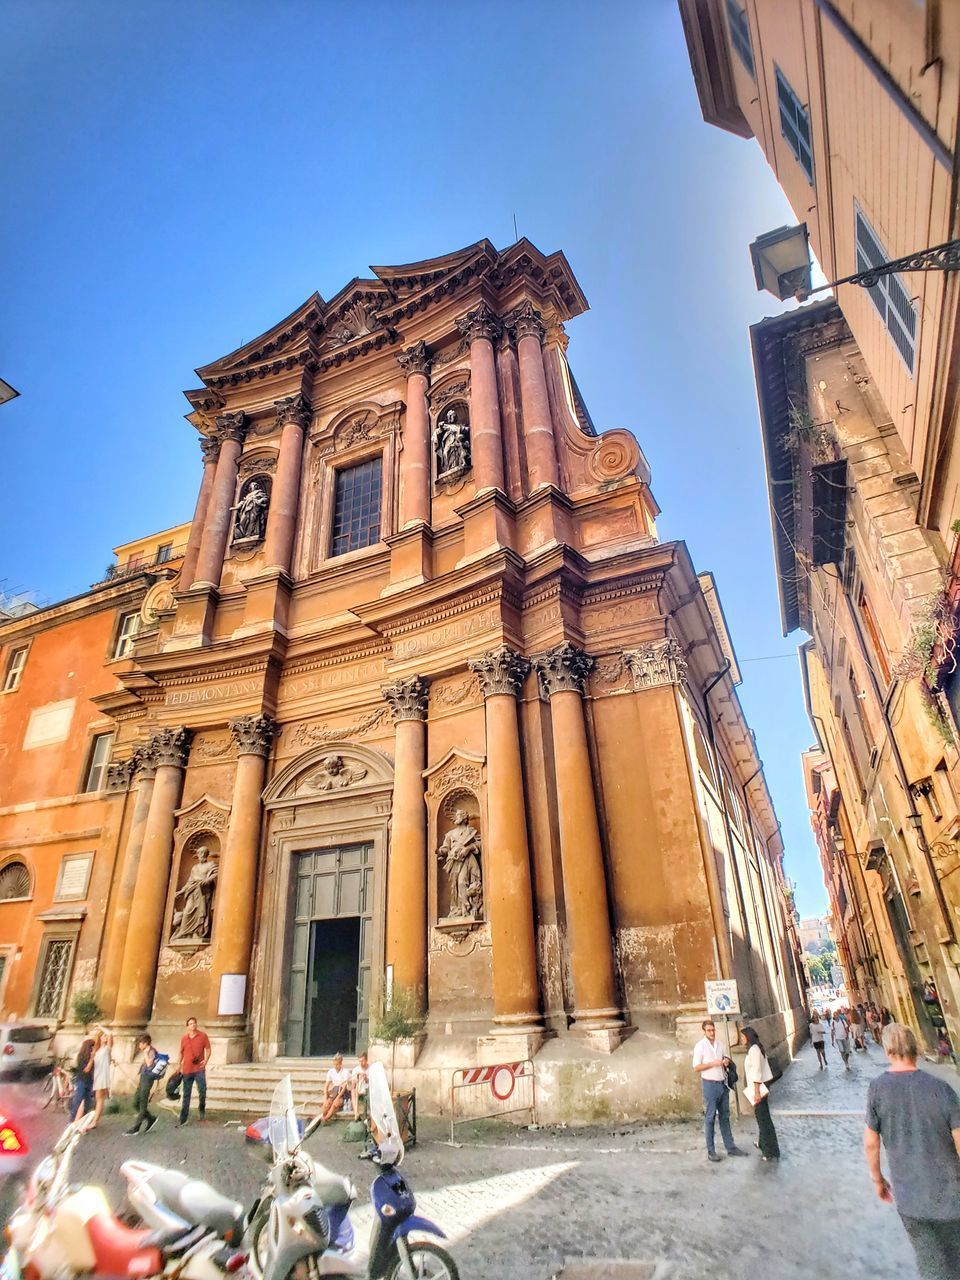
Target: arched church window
{"x": 14, "y": 882}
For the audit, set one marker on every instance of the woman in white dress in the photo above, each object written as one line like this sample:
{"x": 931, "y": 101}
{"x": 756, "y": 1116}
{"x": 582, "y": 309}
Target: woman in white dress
{"x": 101, "y": 1071}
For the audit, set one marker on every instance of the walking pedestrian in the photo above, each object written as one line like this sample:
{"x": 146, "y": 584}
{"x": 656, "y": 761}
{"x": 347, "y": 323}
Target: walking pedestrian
{"x": 710, "y": 1057}
{"x": 873, "y": 1022}
{"x": 818, "y": 1035}
{"x": 145, "y": 1082}
{"x": 856, "y": 1027}
{"x": 82, "y": 1100}
{"x": 101, "y": 1072}
{"x": 917, "y": 1117}
{"x": 840, "y": 1037}
{"x": 194, "y": 1056}
{"x": 758, "y": 1074}
{"x": 886, "y": 1017}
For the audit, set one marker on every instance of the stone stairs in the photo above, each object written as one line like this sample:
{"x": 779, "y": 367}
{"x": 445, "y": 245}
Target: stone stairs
{"x": 246, "y": 1088}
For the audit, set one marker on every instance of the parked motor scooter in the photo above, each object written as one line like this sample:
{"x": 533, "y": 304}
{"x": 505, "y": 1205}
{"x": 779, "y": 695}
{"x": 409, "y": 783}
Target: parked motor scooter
{"x": 60, "y": 1232}
{"x": 304, "y": 1212}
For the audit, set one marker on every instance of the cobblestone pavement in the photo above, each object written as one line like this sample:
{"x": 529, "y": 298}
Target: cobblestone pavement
{"x": 518, "y": 1204}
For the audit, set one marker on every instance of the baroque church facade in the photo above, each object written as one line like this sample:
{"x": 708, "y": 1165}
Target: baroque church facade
{"x": 429, "y": 709}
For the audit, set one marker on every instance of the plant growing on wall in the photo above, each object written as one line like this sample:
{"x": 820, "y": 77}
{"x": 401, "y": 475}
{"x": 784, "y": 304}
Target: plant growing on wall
{"x": 932, "y": 642}
{"x": 85, "y": 1008}
{"x": 820, "y": 437}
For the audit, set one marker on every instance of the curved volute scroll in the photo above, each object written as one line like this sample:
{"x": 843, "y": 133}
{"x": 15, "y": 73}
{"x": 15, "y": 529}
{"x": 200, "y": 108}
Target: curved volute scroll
{"x": 337, "y": 770}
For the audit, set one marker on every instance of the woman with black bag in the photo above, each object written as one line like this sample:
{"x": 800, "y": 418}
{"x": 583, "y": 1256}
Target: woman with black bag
{"x": 758, "y": 1075}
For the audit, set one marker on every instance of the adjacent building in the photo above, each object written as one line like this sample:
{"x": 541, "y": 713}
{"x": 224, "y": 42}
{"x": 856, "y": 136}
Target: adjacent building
{"x": 855, "y": 108}
{"x": 428, "y": 713}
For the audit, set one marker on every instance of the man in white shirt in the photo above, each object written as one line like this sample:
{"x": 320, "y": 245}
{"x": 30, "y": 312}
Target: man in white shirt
{"x": 359, "y": 1082}
{"x": 710, "y": 1056}
{"x": 336, "y": 1089}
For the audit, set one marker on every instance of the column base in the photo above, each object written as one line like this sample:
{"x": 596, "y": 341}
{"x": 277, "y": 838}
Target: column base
{"x": 267, "y": 604}
{"x": 196, "y": 611}
{"x": 602, "y": 1029}
{"x": 510, "y": 1045}
{"x": 488, "y": 524}
{"x": 411, "y": 557}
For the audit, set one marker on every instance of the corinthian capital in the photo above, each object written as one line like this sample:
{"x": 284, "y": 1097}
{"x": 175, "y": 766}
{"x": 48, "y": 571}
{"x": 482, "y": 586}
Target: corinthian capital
{"x": 232, "y": 426}
{"x": 563, "y": 669}
{"x": 415, "y": 359}
{"x": 658, "y": 663}
{"x": 293, "y": 409}
{"x": 210, "y": 448}
{"x": 253, "y": 734}
{"x": 481, "y": 322}
{"x": 407, "y": 698}
{"x": 526, "y": 321}
{"x": 120, "y": 774}
{"x": 170, "y": 746}
{"x": 500, "y": 670}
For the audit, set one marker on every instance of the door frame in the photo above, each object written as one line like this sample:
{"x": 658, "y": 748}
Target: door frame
{"x": 303, "y": 817}
{"x": 344, "y": 1044}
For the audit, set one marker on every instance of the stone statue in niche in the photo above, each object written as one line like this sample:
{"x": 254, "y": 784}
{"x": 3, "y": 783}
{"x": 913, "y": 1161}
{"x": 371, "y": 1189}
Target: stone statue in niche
{"x": 452, "y": 444}
{"x": 460, "y": 852}
{"x": 251, "y": 522}
{"x": 192, "y": 921}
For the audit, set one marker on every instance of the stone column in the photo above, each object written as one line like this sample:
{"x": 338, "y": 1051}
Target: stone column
{"x": 415, "y": 458}
{"x": 407, "y": 873}
{"x": 482, "y": 328}
{"x": 210, "y": 448}
{"x": 234, "y": 905}
{"x": 542, "y": 467}
{"x": 143, "y": 774}
{"x": 216, "y": 526}
{"x": 563, "y": 672}
{"x": 293, "y": 416}
{"x": 509, "y": 888}
{"x": 141, "y": 950}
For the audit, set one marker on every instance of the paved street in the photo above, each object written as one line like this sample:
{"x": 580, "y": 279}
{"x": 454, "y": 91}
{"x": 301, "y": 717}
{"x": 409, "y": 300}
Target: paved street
{"x": 518, "y": 1204}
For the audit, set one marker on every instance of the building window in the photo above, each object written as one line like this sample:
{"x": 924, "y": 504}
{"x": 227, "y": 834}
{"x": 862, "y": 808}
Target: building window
{"x": 54, "y": 974}
{"x": 74, "y": 877}
{"x": 889, "y": 294}
{"x": 877, "y": 651}
{"x": 15, "y": 664}
{"x": 99, "y": 759}
{"x": 795, "y": 124}
{"x": 127, "y": 628}
{"x": 356, "y": 512}
{"x": 163, "y": 553}
{"x": 14, "y": 882}
{"x": 740, "y": 34}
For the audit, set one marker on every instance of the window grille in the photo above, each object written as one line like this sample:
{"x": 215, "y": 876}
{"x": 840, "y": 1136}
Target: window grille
{"x": 53, "y": 979}
{"x": 14, "y": 882}
{"x": 889, "y": 294}
{"x": 356, "y": 514}
{"x": 740, "y": 35}
{"x": 795, "y": 124}
{"x": 99, "y": 759}
{"x": 126, "y": 633}
{"x": 18, "y": 660}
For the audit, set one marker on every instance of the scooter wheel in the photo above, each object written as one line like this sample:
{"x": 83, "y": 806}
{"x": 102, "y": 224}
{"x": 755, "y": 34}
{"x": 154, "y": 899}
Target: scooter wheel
{"x": 427, "y": 1262}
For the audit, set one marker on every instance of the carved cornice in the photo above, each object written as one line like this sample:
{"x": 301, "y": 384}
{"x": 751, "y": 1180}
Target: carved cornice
{"x": 253, "y": 734}
{"x": 563, "y": 669}
{"x": 293, "y": 409}
{"x": 210, "y": 448}
{"x": 415, "y": 359}
{"x": 170, "y": 746}
{"x": 661, "y": 662}
{"x": 481, "y": 322}
{"x": 407, "y": 699}
{"x": 500, "y": 670}
{"x": 232, "y": 426}
{"x": 526, "y": 322}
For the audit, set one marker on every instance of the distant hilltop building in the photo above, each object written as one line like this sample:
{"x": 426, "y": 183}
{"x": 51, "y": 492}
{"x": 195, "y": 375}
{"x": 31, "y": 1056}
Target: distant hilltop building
{"x": 417, "y": 711}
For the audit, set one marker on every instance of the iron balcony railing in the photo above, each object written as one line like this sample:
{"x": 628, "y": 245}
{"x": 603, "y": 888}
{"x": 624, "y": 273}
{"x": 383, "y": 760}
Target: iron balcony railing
{"x": 142, "y": 564}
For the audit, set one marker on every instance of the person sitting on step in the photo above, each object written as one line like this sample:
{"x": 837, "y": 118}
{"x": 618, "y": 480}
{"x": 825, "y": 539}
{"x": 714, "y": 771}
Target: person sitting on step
{"x": 336, "y": 1089}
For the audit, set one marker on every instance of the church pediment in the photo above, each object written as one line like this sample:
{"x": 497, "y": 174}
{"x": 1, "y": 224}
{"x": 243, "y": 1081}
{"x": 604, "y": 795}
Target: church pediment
{"x": 330, "y": 771}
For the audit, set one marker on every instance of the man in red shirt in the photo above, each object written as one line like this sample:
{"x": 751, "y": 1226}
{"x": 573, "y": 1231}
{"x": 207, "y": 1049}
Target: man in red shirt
{"x": 194, "y": 1055}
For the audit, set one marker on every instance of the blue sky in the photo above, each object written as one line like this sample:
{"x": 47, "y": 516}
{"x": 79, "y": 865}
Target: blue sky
{"x": 179, "y": 176}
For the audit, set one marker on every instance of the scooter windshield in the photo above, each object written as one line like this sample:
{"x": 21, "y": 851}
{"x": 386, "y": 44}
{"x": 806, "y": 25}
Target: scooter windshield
{"x": 283, "y": 1128}
{"x": 383, "y": 1117}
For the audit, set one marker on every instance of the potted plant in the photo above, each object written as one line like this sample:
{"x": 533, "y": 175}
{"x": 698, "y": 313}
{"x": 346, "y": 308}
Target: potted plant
{"x": 400, "y": 1024}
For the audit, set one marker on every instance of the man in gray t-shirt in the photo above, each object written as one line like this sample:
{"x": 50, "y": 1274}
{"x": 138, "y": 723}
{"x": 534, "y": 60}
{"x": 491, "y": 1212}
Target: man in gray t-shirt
{"x": 918, "y": 1117}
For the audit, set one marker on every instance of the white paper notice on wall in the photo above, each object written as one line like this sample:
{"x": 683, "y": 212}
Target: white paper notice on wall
{"x": 233, "y": 993}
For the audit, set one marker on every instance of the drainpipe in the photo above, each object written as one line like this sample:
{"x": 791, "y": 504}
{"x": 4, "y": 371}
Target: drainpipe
{"x": 763, "y": 891}
{"x": 724, "y": 670}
